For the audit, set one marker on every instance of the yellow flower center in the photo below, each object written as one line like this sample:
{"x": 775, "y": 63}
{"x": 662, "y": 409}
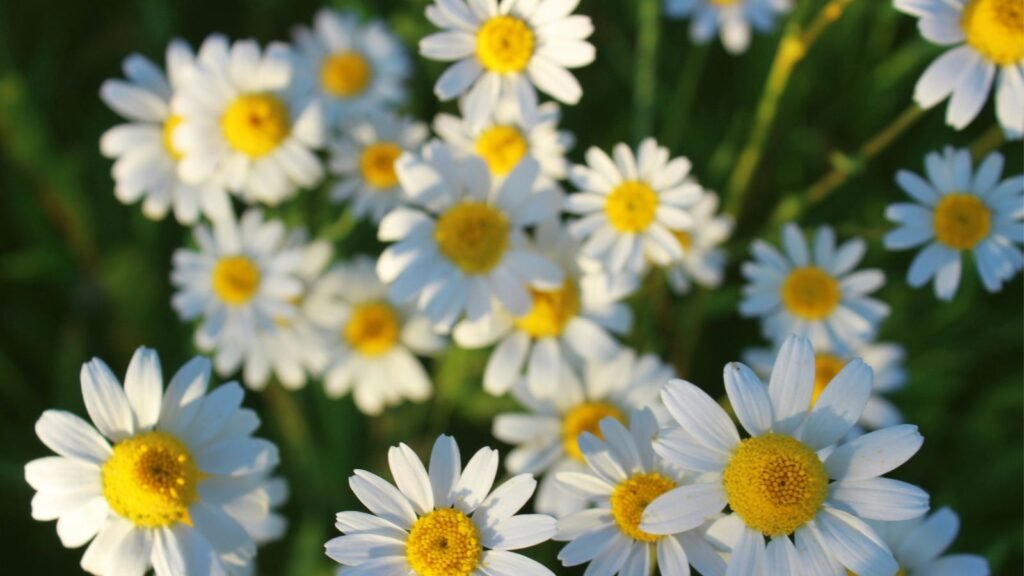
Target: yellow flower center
{"x": 810, "y": 293}
{"x": 775, "y": 483}
{"x": 473, "y": 235}
{"x": 585, "y": 418}
{"x": 551, "y": 311}
{"x": 443, "y": 543}
{"x": 684, "y": 239}
{"x": 254, "y": 124}
{"x": 826, "y": 366}
{"x": 378, "y": 164}
{"x": 505, "y": 44}
{"x": 995, "y": 28}
{"x": 961, "y": 221}
{"x": 373, "y": 328}
{"x": 345, "y": 74}
{"x": 169, "y": 125}
{"x": 632, "y": 496}
{"x": 631, "y": 206}
{"x": 235, "y": 279}
{"x": 151, "y": 479}
{"x": 502, "y": 147}
{"x": 723, "y": 2}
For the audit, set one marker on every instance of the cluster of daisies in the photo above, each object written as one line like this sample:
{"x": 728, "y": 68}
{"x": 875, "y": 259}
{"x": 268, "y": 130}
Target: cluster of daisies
{"x": 495, "y": 240}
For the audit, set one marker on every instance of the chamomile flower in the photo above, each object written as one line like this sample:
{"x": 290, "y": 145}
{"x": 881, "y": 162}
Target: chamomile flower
{"x": 364, "y": 159}
{"x": 918, "y": 545}
{"x": 243, "y": 127}
{"x": 987, "y": 45}
{"x": 460, "y": 246}
{"x": 628, "y": 207}
{"x": 169, "y": 480}
{"x": 703, "y": 261}
{"x": 146, "y": 166}
{"x": 508, "y": 51}
{"x": 732, "y": 20}
{"x": 623, "y": 478}
{"x": 960, "y": 210}
{"x": 816, "y": 294}
{"x": 441, "y": 522}
{"x": 794, "y": 478}
{"x": 352, "y": 67}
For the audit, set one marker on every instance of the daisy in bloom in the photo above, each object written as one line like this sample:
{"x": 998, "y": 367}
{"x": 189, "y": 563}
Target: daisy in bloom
{"x": 793, "y": 478}
{"x": 441, "y": 522}
{"x": 918, "y": 545}
{"x": 146, "y": 166}
{"x": 813, "y": 293}
{"x": 960, "y": 210}
{"x": 987, "y": 41}
{"x": 460, "y": 242}
{"x": 508, "y": 51}
{"x": 242, "y": 282}
{"x": 570, "y": 323}
{"x": 364, "y": 161}
{"x": 546, "y": 437}
{"x": 374, "y": 341}
{"x": 732, "y": 20}
{"x": 241, "y": 127}
{"x": 628, "y": 206}
{"x": 703, "y": 262}
{"x": 169, "y": 480}
{"x": 353, "y": 68}
{"x": 623, "y": 478}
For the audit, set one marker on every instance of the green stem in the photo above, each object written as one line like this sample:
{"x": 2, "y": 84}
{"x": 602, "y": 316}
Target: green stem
{"x": 989, "y": 141}
{"x": 646, "y": 78}
{"x": 678, "y": 113}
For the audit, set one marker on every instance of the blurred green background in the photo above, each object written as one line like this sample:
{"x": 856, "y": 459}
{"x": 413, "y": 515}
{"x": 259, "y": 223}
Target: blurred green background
{"x": 82, "y": 276}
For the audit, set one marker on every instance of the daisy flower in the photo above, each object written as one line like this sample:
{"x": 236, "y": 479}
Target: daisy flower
{"x": 364, "y": 161}
{"x": 169, "y": 480}
{"x": 460, "y": 241}
{"x": 629, "y": 206}
{"x": 986, "y": 38}
{"x": 703, "y": 262}
{"x": 374, "y": 341}
{"x": 445, "y": 521}
{"x": 794, "y": 477}
{"x": 508, "y": 51}
{"x": 732, "y": 20}
{"x": 623, "y": 478}
{"x": 546, "y": 436}
{"x": 918, "y": 545}
{"x": 241, "y": 127}
{"x": 146, "y": 166}
{"x": 815, "y": 294}
{"x": 574, "y": 322}
{"x": 353, "y": 68}
{"x": 960, "y": 210}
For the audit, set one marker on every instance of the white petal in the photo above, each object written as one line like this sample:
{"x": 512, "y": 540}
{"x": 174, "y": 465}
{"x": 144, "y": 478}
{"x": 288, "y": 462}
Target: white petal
{"x": 749, "y": 398}
{"x": 875, "y": 453}
{"x": 881, "y": 499}
{"x": 143, "y": 384}
{"x": 683, "y": 508}
{"x": 411, "y": 478}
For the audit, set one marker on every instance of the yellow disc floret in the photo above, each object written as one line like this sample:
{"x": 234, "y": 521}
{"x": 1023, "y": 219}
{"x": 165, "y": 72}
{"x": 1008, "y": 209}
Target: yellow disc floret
{"x": 995, "y": 28}
{"x": 443, "y": 543}
{"x": 254, "y": 124}
{"x": 826, "y": 366}
{"x": 377, "y": 164}
{"x": 170, "y": 124}
{"x": 810, "y": 293}
{"x": 684, "y": 239}
{"x": 631, "y": 207}
{"x": 502, "y": 147}
{"x": 632, "y": 496}
{"x": 151, "y": 479}
{"x": 586, "y": 418}
{"x": 723, "y": 2}
{"x": 552, "y": 310}
{"x": 345, "y": 74}
{"x": 473, "y": 235}
{"x": 373, "y": 328}
{"x": 775, "y": 483}
{"x": 961, "y": 221}
{"x": 505, "y": 45}
{"x": 235, "y": 279}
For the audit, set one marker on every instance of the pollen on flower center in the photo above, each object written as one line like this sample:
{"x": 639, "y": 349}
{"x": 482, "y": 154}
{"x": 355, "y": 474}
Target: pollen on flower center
{"x": 961, "y": 221}
{"x": 724, "y": 2}
{"x": 377, "y": 164}
{"x": 502, "y": 147}
{"x": 473, "y": 235}
{"x": 551, "y": 311}
{"x": 631, "y": 207}
{"x": 995, "y": 28}
{"x": 254, "y": 124}
{"x": 345, "y": 74}
{"x": 775, "y": 483}
{"x": 826, "y": 366}
{"x": 443, "y": 543}
{"x": 505, "y": 44}
{"x": 810, "y": 293}
{"x": 373, "y": 328}
{"x": 632, "y": 496}
{"x": 235, "y": 279}
{"x": 170, "y": 124}
{"x": 585, "y": 418}
{"x": 151, "y": 479}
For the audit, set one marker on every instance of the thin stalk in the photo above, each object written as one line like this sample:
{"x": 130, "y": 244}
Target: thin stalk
{"x": 677, "y": 114}
{"x": 992, "y": 138}
{"x": 646, "y": 78}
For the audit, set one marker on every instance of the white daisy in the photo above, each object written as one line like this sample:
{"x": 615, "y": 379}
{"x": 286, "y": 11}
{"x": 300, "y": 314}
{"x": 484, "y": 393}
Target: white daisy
{"x": 353, "y": 68}
{"x": 732, "y": 20}
{"x": 443, "y": 522}
{"x": 623, "y": 478}
{"x": 629, "y": 206}
{"x": 146, "y": 157}
{"x": 918, "y": 545}
{"x": 546, "y": 436}
{"x": 960, "y": 210}
{"x": 460, "y": 243}
{"x": 243, "y": 127}
{"x": 173, "y": 480}
{"x": 364, "y": 161}
{"x": 815, "y": 294}
{"x": 508, "y": 50}
{"x": 574, "y": 322}
{"x": 373, "y": 342}
{"x": 988, "y": 41}
{"x": 794, "y": 477}
{"x": 703, "y": 261}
